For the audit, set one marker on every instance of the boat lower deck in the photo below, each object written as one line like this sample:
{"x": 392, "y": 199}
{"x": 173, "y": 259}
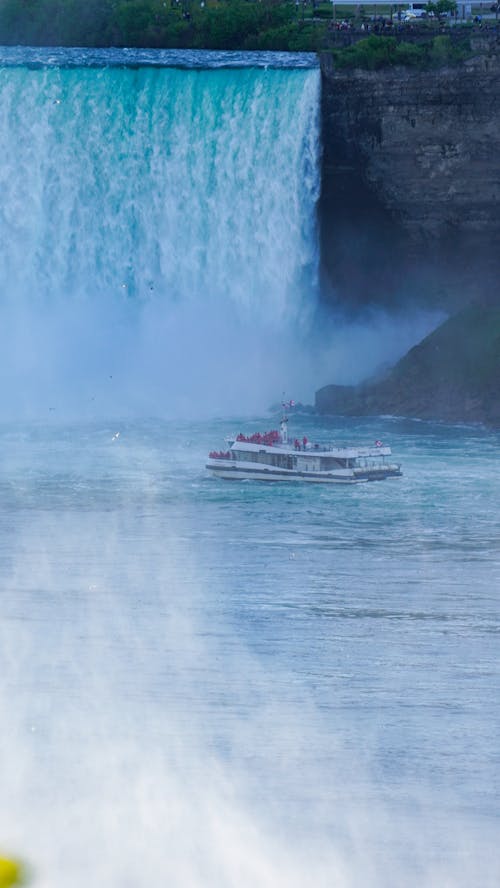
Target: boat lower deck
{"x": 261, "y": 473}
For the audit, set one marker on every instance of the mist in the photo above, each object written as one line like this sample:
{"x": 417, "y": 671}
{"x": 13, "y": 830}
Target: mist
{"x": 142, "y": 745}
{"x": 94, "y": 359}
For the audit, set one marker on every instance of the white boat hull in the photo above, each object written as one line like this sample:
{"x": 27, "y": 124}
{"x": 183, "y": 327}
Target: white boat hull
{"x": 238, "y": 473}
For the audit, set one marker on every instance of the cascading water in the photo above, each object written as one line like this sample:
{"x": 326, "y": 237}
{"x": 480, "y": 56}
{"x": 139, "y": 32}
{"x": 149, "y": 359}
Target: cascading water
{"x": 157, "y": 226}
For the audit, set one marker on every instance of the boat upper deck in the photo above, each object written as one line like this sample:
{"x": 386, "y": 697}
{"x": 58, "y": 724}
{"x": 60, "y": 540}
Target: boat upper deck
{"x": 308, "y": 449}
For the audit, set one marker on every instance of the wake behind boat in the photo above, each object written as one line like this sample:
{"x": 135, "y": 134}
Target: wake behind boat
{"x": 272, "y": 457}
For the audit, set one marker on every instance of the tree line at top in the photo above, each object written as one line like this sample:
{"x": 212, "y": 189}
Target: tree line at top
{"x": 293, "y": 25}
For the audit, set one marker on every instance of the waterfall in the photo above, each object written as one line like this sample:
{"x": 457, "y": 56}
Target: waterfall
{"x": 158, "y": 228}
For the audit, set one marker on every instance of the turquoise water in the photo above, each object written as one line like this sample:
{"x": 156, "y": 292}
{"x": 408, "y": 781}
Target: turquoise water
{"x": 145, "y": 208}
{"x": 210, "y": 684}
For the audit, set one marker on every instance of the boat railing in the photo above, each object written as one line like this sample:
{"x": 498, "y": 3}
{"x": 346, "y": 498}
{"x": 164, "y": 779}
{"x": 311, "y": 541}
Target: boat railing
{"x": 273, "y": 439}
{"x": 219, "y": 454}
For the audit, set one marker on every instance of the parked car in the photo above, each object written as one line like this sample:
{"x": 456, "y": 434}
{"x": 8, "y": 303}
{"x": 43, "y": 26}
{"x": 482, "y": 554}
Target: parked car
{"x": 410, "y": 15}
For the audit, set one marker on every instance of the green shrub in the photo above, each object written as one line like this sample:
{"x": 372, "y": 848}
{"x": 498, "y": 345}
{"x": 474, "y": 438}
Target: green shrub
{"x": 371, "y": 53}
{"x": 375, "y": 52}
{"x": 287, "y": 38}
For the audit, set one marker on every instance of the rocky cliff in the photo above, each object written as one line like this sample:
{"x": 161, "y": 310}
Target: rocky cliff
{"x": 410, "y": 206}
{"x": 453, "y": 375}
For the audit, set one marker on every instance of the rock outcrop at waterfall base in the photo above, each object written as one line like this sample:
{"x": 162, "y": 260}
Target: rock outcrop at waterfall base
{"x": 452, "y": 375}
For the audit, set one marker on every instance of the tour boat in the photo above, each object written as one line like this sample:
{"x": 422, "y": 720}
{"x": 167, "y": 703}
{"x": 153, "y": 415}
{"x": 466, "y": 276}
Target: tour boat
{"x": 272, "y": 457}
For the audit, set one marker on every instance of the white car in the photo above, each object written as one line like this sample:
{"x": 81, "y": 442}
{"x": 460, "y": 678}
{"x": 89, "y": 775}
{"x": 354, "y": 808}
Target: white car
{"x": 410, "y": 14}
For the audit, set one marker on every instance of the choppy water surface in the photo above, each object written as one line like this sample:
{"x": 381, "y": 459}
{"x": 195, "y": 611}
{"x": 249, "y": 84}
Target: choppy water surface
{"x": 216, "y": 683}
{"x": 113, "y": 57}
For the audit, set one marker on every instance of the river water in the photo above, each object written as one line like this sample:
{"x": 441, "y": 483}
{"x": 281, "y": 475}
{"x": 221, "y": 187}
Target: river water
{"x": 218, "y": 683}
{"x": 205, "y": 683}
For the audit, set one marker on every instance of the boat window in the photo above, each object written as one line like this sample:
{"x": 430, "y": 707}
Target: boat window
{"x": 327, "y": 463}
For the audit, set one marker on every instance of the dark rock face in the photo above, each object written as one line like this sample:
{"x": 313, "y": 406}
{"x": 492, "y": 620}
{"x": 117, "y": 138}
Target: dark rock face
{"x": 410, "y": 205}
{"x": 453, "y": 375}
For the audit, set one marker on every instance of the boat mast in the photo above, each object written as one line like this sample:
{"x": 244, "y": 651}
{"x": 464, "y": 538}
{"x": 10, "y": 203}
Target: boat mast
{"x": 284, "y": 429}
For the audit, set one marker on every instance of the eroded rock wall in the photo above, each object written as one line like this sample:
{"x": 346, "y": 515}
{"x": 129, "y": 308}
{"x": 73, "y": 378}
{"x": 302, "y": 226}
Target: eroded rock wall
{"x": 410, "y": 205}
